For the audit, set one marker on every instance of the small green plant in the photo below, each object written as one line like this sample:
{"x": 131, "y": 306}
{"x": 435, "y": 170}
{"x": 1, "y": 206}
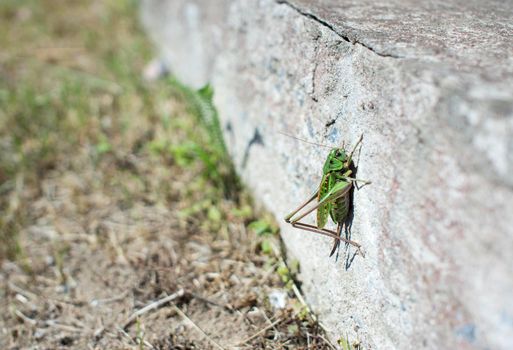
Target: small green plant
{"x": 284, "y": 273}
{"x": 61, "y": 251}
{"x": 103, "y": 145}
{"x": 245, "y": 211}
{"x": 266, "y": 247}
{"x": 344, "y": 343}
{"x": 140, "y": 334}
{"x": 213, "y": 153}
{"x": 301, "y": 311}
{"x": 263, "y": 227}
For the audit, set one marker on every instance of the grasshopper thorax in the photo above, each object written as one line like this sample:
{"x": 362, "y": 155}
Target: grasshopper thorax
{"x": 335, "y": 160}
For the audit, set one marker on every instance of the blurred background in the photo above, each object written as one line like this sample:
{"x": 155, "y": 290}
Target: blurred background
{"x": 117, "y": 193}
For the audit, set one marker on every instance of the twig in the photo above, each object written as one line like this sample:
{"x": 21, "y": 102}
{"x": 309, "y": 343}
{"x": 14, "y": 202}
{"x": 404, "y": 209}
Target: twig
{"x": 49, "y": 323}
{"x": 299, "y": 297}
{"x": 267, "y": 318}
{"x": 25, "y": 318}
{"x": 327, "y": 342}
{"x": 117, "y": 248}
{"x": 152, "y": 306}
{"x": 126, "y": 335}
{"x": 260, "y": 332}
{"x": 185, "y": 317}
{"x": 63, "y": 327}
{"x": 19, "y": 290}
{"x": 96, "y": 302}
{"x": 211, "y": 302}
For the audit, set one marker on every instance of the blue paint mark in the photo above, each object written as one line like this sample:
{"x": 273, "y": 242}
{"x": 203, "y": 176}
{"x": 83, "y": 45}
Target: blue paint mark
{"x": 467, "y": 332}
{"x": 506, "y": 318}
{"x": 310, "y": 127}
{"x": 333, "y": 135}
{"x": 403, "y": 307}
{"x": 300, "y": 99}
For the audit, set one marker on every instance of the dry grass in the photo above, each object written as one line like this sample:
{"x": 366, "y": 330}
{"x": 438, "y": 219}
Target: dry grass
{"x": 115, "y": 234}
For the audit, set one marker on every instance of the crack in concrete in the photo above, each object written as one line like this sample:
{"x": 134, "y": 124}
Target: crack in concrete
{"x": 255, "y": 140}
{"x": 314, "y": 73}
{"x": 330, "y": 123}
{"x": 334, "y": 30}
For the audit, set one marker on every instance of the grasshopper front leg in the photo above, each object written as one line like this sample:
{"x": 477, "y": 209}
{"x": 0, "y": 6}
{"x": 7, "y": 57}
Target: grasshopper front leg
{"x": 352, "y": 179}
{"x": 355, "y": 181}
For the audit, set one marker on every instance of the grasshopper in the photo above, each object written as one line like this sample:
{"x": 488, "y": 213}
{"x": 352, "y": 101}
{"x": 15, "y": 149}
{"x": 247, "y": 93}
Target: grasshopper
{"x": 333, "y": 197}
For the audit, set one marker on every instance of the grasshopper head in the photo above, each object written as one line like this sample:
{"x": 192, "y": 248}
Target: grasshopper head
{"x": 335, "y": 160}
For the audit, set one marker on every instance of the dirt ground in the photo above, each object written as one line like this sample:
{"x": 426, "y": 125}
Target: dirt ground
{"x": 115, "y": 233}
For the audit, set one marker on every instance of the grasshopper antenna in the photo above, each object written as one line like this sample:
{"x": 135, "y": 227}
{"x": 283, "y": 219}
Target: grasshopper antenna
{"x": 311, "y": 143}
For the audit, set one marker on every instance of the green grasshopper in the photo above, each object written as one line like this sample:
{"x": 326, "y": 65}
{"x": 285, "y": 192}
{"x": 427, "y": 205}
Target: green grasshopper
{"x": 333, "y": 197}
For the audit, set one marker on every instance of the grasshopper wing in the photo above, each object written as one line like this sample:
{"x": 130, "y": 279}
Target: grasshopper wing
{"x": 324, "y": 207}
{"x": 327, "y": 197}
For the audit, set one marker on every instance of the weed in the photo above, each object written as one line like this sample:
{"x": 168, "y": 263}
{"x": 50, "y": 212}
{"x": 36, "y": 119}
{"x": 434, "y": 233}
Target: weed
{"x": 213, "y": 153}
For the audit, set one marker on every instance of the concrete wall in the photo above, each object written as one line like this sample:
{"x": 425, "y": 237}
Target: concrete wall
{"x": 431, "y": 88}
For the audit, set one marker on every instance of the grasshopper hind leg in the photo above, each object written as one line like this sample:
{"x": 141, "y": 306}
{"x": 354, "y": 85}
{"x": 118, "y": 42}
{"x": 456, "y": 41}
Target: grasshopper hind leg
{"x": 336, "y": 242}
{"x": 329, "y": 233}
{"x": 288, "y": 218}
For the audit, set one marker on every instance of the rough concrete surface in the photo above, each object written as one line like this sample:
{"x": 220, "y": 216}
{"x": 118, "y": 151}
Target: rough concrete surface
{"x": 430, "y": 85}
